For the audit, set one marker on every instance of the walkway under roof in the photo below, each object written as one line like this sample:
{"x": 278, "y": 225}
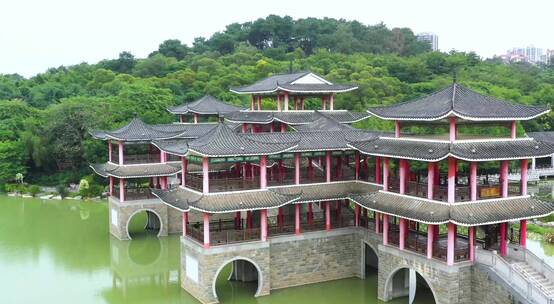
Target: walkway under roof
{"x": 298, "y": 83}
{"x": 471, "y": 150}
{"x": 207, "y": 105}
{"x": 136, "y": 171}
{"x": 295, "y": 117}
{"x": 457, "y": 100}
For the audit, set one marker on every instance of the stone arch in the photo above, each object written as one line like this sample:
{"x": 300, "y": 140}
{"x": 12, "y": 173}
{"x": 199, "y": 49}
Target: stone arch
{"x": 369, "y": 252}
{"x": 152, "y": 211}
{"x": 389, "y": 282}
{"x": 239, "y": 258}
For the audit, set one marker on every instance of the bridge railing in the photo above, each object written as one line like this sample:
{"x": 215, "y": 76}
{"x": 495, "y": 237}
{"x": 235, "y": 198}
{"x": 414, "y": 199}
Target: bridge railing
{"x": 532, "y": 260}
{"x": 513, "y": 277}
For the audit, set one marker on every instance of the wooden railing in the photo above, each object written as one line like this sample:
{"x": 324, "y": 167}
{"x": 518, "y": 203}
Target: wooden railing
{"x": 440, "y": 192}
{"x": 132, "y": 194}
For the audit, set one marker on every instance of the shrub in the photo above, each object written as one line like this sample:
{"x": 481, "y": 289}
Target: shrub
{"x": 34, "y": 190}
{"x": 62, "y": 190}
{"x": 549, "y": 237}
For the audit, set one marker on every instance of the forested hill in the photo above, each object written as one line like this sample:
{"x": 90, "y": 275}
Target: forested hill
{"x": 44, "y": 120}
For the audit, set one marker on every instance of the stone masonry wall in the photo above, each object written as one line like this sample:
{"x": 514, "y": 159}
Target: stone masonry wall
{"x": 450, "y": 284}
{"x": 315, "y": 257}
{"x": 120, "y": 214}
{"x": 487, "y": 291}
{"x": 204, "y": 265}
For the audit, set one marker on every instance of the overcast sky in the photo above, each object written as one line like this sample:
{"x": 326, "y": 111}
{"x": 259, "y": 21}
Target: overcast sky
{"x": 38, "y": 34}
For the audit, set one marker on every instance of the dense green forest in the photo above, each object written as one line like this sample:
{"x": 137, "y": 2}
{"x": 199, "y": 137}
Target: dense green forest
{"x": 44, "y": 120}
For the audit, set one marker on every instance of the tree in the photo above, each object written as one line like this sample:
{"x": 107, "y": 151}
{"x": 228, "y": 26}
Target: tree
{"x": 11, "y": 161}
{"x": 172, "y": 48}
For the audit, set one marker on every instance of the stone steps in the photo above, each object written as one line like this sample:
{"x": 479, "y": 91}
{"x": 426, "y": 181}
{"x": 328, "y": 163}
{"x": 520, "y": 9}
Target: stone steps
{"x": 537, "y": 279}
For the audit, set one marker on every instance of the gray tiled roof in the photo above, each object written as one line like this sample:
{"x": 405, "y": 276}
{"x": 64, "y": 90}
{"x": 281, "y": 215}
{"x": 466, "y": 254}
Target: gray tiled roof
{"x": 467, "y": 214}
{"x": 326, "y": 191}
{"x": 470, "y": 150}
{"x": 173, "y": 146}
{"x": 323, "y": 123}
{"x": 462, "y": 102}
{"x": 223, "y": 141}
{"x": 501, "y": 210}
{"x": 137, "y": 130}
{"x": 207, "y": 105}
{"x": 184, "y": 199}
{"x": 316, "y": 140}
{"x": 544, "y": 136}
{"x": 294, "y": 117}
{"x": 135, "y": 171}
{"x": 405, "y": 207}
{"x": 284, "y": 82}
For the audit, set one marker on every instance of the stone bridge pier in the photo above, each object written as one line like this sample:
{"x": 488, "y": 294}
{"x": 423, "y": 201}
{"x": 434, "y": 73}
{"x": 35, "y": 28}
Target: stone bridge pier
{"x": 160, "y": 217}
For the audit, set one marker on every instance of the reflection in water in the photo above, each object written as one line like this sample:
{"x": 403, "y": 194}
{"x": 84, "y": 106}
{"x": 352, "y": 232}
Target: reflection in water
{"x": 62, "y": 252}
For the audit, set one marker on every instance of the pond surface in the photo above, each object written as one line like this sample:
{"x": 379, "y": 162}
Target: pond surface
{"x": 61, "y": 252}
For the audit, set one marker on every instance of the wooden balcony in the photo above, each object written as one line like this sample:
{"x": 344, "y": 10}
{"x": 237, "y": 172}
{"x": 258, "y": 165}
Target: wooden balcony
{"x": 484, "y": 191}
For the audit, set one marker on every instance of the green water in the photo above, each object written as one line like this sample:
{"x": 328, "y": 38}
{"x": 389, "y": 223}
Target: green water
{"x": 61, "y": 252}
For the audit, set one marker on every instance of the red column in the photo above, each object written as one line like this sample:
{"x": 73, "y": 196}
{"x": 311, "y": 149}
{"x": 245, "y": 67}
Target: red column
{"x": 377, "y": 169}
{"x": 357, "y": 165}
{"x": 385, "y": 229}
{"x": 195, "y": 117}
{"x": 331, "y": 102}
{"x": 430, "y": 179}
{"x": 385, "y": 174}
{"x": 297, "y": 168}
{"x": 513, "y": 129}
{"x": 377, "y": 222}
{"x": 396, "y": 128}
{"x": 205, "y": 176}
{"x": 110, "y": 148}
{"x": 183, "y": 171}
{"x": 252, "y": 102}
{"x": 357, "y": 215}
{"x": 181, "y": 118}
{"x": 283, "y": 127}
{"x": 244, "y": 127}
{"x": 403, "y": 233}
{"x": 263, "y": 172}
{"x": 263, "y": 225}
{"x": 295, "y": 103}
{"x": 120, "y": 148}
{"x": 473, "y": 180}
{"x": 503, "y": 243}
{"x": 323, "y": 103}
{"x": 328, "y": 166}
{"x": 504, "y": 178}
{"x": 451, "y": 244}
{"x": 185, "y": 220}
{"x": 259, "y": 102}
{"x": 286, "y": 105}
{"x": 302, "y": 102}
{"x": 327, "y": 215}
{"x": 524, "y": 177}
{"x": 237, "y": 220}
{"x": 402, "y": 175}
{"x": 452, "y": 164}
{"x": 430, "y": 238}
{"x": 111, "y": 185}
{"x": 471, "y": 243}
{"x": 278, "y": 102}
{"x": 280, "y": 215}
{"x": 249, "y": 222}
{"x": 121, "y": 189}
{"x": 523, "y": 233}
{"x": 206, "y": 230}
{"x": 297, "y": 219}
{"x": 452, "y": 123}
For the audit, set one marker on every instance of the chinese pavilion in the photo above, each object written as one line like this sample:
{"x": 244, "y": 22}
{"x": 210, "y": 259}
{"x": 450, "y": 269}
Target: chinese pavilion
{"x": 291, "y": 186}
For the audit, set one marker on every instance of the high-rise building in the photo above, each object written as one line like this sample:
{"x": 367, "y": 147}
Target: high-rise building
{"x": 533, "y": 54}
{"x": 433, "y": 39}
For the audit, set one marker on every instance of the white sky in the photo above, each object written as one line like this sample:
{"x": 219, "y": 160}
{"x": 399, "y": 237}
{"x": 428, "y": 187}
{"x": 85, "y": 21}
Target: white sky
{"x": 38, "y": 34}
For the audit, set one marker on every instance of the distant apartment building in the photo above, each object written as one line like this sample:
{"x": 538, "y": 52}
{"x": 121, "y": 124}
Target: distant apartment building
{"x": 431, "y": 38}
{"x": 529, "y": 54}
